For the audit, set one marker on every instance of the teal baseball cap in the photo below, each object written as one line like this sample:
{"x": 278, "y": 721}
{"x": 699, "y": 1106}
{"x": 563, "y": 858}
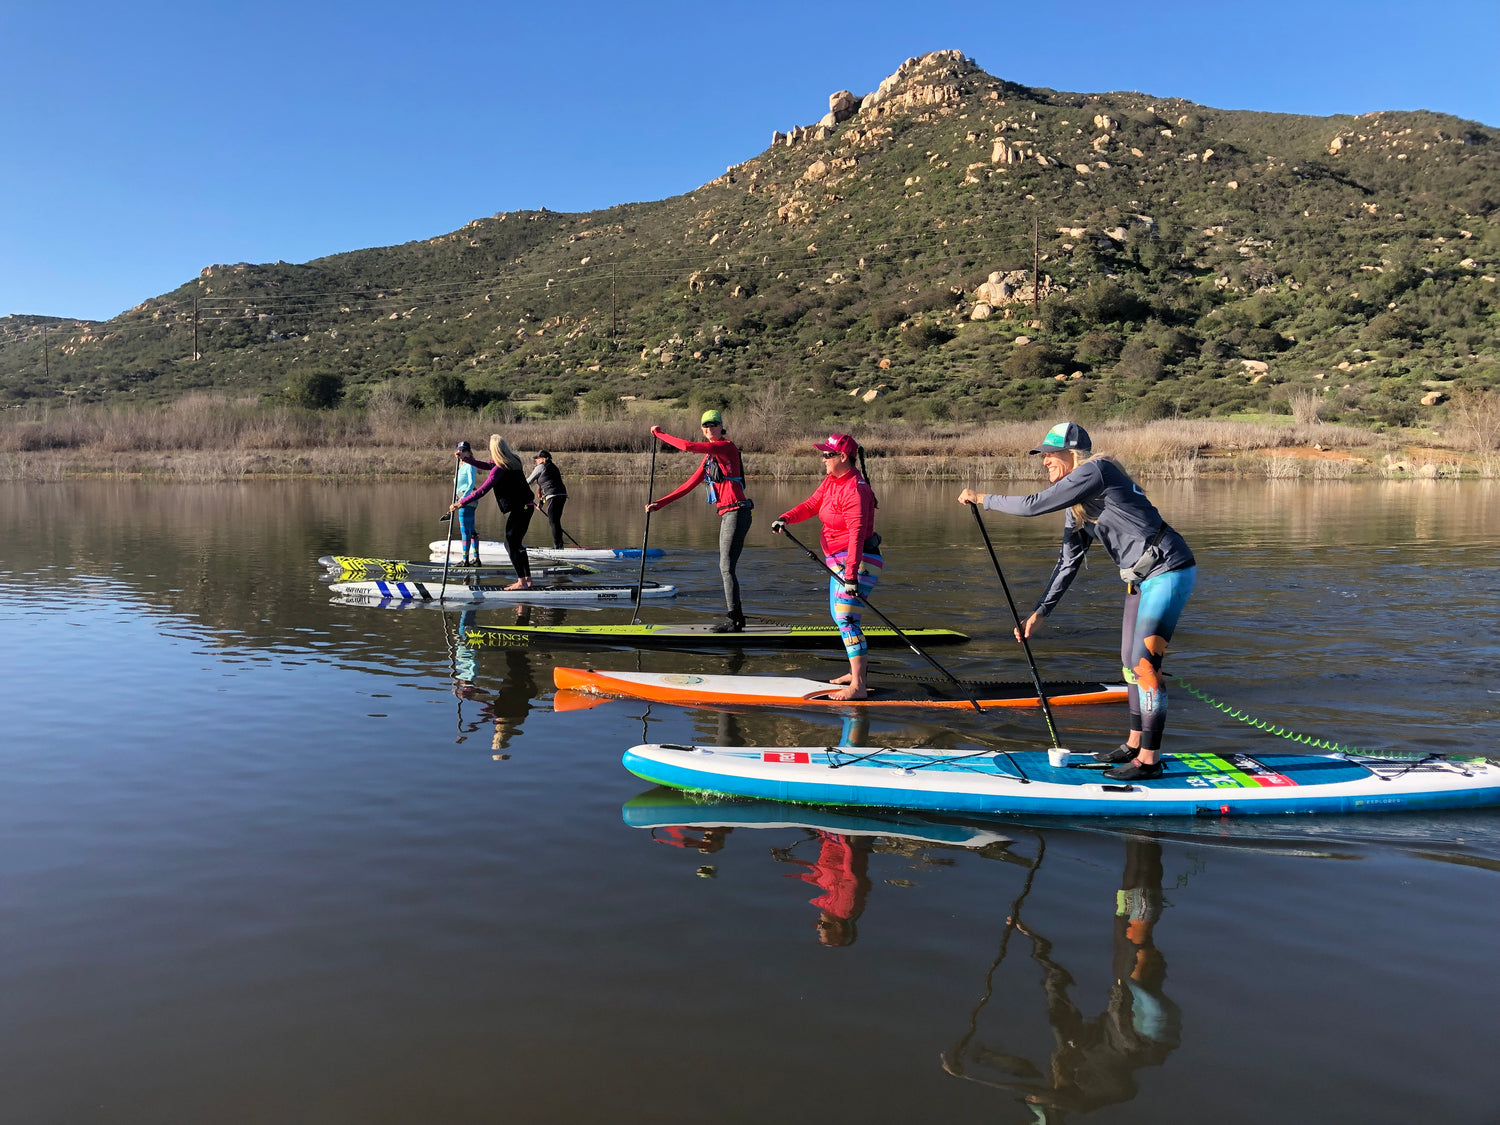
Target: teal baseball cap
{"x": 1065, "y": 435}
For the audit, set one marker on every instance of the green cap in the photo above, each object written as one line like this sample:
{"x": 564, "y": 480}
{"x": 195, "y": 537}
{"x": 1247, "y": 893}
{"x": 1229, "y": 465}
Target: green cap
{"x": 1065, "y": 435}
{"x": 711, "y": 416}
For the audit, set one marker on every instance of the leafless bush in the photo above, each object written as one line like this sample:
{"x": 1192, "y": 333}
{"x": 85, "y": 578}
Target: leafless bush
{"x": 1306, "y": 405}
{"x": 1474, "y": 417}
{"x": 1339, "y": 469}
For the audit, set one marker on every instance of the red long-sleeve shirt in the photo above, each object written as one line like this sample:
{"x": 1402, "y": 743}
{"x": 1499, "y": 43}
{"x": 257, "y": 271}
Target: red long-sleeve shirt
{"x": 846, "y": 505}
{"x": 725, "y": 454}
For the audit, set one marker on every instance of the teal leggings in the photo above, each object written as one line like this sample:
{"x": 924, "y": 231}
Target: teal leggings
{"x": 1151, "y": 613}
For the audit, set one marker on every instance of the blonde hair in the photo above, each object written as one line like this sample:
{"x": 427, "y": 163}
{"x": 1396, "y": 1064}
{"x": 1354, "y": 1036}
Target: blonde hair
{"x": 502, "y": 453}
{"x": 1079, "y": 518}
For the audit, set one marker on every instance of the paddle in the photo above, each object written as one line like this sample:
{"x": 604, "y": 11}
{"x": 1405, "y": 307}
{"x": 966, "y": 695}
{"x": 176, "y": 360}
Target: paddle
{"x": 448, "y": 546}
{"x": 1036, "y": 676}
{"x": 640, "y": 583}
{"x": 911, "y": 644}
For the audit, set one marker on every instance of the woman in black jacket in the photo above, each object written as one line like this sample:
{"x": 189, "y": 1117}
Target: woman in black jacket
{"x": 508, "y": 482}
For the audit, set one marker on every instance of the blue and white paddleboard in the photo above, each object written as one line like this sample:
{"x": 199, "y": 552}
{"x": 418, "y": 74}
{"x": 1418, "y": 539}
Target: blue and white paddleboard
{"x": 1025, "y": 783}
{"x": 473, "y": 597}
{"x": 491, "y": 550}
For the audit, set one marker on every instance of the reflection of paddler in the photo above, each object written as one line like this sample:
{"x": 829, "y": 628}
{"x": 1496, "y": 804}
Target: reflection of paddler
{"x": 841, "y": 872}
{"x": 465, "y": 661}
{"x": 511, "y": 700}
{"x": 1094, "y": 1062}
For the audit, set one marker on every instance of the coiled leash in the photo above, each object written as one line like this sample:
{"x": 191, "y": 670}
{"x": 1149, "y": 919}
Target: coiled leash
{"x": 1270, "y": 728}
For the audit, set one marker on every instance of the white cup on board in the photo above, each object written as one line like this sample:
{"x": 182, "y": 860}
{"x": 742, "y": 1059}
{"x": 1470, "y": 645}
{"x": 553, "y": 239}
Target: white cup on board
{"x": 1058, "y": 757}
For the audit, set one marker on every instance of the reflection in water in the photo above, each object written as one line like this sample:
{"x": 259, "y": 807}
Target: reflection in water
{"x": 510, "y": 703}
{"x": 841, "y": 872}
{"x": 1093, "y": 1061}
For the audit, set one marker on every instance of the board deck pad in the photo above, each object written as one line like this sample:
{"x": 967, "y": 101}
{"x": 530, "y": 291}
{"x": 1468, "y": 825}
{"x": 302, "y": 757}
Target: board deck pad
{"x": 1193, "y": 784}
{"x": 795, "y": 691}
{"x": 695, "y": 634}
{"x": 492, "y": 550}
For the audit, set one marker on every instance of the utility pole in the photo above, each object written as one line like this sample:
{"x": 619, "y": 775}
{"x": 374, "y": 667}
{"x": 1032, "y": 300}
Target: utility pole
{"x": 46, "y": 358}
{"x": 195, "y": 329}
{"x": 1036, "y": 264}
{"x": 614, "y": 324}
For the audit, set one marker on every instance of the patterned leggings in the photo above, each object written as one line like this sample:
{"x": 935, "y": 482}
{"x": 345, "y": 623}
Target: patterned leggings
{"x": 466, "y": 532}
{"x": 1151, "y": 614}
{"x": 845, "y": 609}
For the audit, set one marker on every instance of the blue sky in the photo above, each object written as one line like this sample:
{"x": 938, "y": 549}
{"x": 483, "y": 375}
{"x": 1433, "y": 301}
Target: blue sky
{"x": 146, "y": 141}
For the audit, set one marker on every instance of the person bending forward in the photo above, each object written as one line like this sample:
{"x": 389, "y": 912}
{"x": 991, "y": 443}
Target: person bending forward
{"x": 1158, "y": 567}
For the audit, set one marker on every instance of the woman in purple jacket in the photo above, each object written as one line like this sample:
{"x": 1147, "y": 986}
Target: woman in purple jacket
{"x": 508, "y": 482}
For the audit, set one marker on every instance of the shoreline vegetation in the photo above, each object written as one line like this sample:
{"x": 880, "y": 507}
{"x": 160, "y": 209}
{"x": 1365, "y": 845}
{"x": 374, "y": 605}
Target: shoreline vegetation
{"x": 214, "y": 438}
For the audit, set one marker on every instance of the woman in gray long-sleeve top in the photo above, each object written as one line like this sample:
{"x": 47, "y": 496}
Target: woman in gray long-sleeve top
{"x": 1155, "y": 562}
{"x": 554, "y": 494}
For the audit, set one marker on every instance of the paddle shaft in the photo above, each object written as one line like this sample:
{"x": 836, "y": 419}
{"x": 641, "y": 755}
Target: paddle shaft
{"x": 640, "y": 583}
{"x": 911, "y": 644}
{"x": 448, "y": 546}
{"x": 1036, "y": 676}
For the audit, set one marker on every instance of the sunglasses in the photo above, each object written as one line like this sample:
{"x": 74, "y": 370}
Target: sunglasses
{"x": 826, "y": 456}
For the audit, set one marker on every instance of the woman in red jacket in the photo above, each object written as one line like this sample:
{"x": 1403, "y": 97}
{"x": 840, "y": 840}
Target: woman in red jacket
{"x": 724, "y": 476}
{"x": 846, "y": 505}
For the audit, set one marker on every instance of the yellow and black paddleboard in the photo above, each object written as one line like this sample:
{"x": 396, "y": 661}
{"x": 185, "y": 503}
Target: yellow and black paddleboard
{"x": 354, "y": 567}
{"x": 694, "y": 635}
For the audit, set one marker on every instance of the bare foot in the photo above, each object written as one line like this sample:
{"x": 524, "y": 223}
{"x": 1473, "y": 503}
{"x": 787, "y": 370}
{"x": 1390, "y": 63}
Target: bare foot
{"x": 520, "y": 584}
{"x": 850, "y": 692}
{"x": 846, "y": 678}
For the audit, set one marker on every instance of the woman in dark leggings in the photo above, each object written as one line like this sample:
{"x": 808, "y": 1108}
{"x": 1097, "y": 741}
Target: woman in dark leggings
{"x": 723, "y": 475}
{"x": 554, "y": 494}
{"x": 508, "y": 482}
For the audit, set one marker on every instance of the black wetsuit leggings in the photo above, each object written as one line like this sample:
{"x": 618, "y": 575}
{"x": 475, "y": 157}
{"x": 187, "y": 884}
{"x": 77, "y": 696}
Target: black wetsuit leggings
{"x": 553, "y": 506}
{"x": 516, "y": 523}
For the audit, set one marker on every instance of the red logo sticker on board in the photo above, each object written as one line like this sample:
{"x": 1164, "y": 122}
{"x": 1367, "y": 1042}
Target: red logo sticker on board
{"x": 786, "y": 757}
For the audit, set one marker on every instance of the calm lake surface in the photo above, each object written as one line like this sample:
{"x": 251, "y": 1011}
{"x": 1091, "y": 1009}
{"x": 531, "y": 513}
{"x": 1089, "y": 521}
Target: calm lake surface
{"x": 268, "y": 859}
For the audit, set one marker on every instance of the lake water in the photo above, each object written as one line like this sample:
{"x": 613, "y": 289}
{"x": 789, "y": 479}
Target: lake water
{"x": 267, "y": 859}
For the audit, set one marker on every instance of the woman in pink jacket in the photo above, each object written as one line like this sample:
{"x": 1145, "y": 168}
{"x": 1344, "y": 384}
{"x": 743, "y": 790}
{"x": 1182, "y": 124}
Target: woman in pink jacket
{"x": 846, "y": 505}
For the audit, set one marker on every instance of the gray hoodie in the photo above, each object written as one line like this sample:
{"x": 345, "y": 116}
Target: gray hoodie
{"x": 1119, "y": 516}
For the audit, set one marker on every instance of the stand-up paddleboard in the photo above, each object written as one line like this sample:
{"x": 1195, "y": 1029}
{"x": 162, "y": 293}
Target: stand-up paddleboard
{"x": 794, "y": 691}
{"x": 1026, "y": 783}
{"x": 354, "y": 567}
{"x": 492, "y": 550}
{"x": 477, "y": 596}
{"x": 671, "y": 808}
{"x": 694, "y": 634}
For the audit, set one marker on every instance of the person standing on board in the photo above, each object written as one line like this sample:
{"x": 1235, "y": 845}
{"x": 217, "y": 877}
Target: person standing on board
{"x": 724, "y": 477}
{"x": 553, "y": 493}
{"x": 1155, "y": 563}
{"x": 845, "y": 503}
{"x": 463, "y": 484}
{"x": 507, "y": 480}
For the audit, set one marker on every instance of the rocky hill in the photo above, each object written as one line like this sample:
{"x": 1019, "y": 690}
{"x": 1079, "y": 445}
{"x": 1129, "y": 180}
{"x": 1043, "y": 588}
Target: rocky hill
{"x": 880, "y": 262}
